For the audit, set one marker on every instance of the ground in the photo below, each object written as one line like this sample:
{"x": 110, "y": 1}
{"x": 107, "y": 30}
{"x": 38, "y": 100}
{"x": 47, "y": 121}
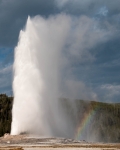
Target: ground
{"x": 25, "y": 142}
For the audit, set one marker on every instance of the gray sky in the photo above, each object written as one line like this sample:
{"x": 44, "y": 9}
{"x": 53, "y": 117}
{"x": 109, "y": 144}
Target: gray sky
{"x": 94, "y": 66}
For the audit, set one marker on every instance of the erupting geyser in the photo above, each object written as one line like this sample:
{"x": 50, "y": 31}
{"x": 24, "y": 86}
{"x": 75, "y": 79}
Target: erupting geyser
{"x": 36, "y": 76}
{"x": 46, "y": 51}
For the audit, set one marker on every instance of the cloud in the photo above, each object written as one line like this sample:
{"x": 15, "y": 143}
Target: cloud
{"x": 6, "y": 56}
{"x": 90, "y": 6}
{"x": 13, "y": 13}
{"x": 6, "y": 70}
{"x": 61, "y": 3}
{"x": 110, "y": 92}
{"x": 93, "y": 43}
{"x": 6, "y": 80}
{"x": 103, "y": 11}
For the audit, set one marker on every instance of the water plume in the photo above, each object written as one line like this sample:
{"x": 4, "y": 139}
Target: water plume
{"x": 36, "y": 76}
{"x": 47, "y": 51}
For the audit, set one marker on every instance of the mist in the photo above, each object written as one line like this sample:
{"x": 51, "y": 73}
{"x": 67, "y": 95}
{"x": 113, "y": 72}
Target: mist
{"x": 44, "y": 57}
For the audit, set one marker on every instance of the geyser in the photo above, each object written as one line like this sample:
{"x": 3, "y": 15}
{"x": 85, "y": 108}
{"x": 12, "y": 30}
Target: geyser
{"x": 36, "y": 75}
{"x": 47, "y": 50}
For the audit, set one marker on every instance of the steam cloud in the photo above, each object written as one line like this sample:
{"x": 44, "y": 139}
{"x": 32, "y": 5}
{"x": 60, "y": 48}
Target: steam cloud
{"x": 46, "y": 50}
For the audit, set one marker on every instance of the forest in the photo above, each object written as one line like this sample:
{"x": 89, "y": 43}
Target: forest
{"x": 5, "y": 113}
{"x": 103, "y": 118}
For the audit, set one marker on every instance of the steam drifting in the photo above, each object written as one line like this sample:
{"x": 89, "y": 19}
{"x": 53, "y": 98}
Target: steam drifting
{"x": 46, "y": 50}
{"x": 36, "y": 75}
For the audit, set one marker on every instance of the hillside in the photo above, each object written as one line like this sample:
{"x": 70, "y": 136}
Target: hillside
{"x": 93, "y": 121}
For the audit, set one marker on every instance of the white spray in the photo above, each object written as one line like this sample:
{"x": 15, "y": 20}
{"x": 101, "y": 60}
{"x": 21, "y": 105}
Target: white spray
{"x": 42, "y": 72}
{"x": 36, "y": 76}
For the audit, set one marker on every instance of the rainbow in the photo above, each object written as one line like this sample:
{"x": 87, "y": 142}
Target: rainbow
{"x": 85, "y": 122}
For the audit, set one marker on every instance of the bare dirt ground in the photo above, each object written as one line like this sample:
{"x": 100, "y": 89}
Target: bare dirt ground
{"x": 25, "y": 142}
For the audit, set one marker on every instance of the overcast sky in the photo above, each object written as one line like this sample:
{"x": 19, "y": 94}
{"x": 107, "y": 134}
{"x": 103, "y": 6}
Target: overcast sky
{"x": 97, "y": 67}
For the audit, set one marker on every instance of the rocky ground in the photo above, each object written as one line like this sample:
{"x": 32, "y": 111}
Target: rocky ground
{"x": 25, "y": 142}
